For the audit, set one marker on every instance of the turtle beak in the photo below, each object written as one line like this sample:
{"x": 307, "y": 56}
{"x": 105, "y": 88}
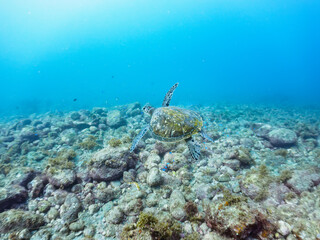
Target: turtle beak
{"x": 148, "y": 109}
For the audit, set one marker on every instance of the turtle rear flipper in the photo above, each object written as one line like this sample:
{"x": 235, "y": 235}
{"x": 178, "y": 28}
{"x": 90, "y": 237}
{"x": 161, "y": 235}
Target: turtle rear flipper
{"x": 205, "y": 135}
{"x": 138, "y": 138}
{"x": 194, "y": 148}
{"x": 167, "y": 98}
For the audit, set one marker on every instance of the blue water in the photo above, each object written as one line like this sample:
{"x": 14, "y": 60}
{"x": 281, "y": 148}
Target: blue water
{"x": 62, "y": 55}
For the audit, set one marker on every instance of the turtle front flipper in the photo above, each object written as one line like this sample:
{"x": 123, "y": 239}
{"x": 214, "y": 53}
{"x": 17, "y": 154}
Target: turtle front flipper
{"x": 167, "y": 98}
{"x": 205, "y": 135}
{"x": 138, "y": 138}
{"x": 194, "y": 148}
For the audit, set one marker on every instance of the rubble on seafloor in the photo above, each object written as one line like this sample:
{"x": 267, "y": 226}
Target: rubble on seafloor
{"x": 71, "y": 176}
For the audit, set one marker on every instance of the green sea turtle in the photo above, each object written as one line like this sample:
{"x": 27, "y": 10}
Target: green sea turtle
{"x": 171, "y": 124}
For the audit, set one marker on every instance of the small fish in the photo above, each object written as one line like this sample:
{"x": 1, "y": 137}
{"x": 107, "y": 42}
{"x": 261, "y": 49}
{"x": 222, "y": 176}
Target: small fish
{"x": 136, "y": 184}
{"x": 75, "y": 99}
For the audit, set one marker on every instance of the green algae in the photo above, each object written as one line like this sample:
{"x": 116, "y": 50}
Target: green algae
{"x": 14, "y": 149}
{"x": 126, "y": 139}
{"x": 5, "y": 168}
{"x": 191, "y": 209}
{"x": 61, "y": 161}
{"x": 281, "y": 152}
{"x": 114, "y": 142}
{"x": 193, "y": 236}
{"x": 261, "y": 178}
{"x": 232, "y": 199}
{"x": 146, "y": 221}
{"x": 89, "y": 143}
{"x": 285, "y": 175}
{"x": 152, "y": 228}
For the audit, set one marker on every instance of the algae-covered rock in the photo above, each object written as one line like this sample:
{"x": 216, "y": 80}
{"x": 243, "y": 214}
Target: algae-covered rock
{"x": 256, "y": 183}
{"x": 303, "y": 180}
{"x": 109, "y": 163}
{"x": 16, "y": 220}
{"x": 62, "y": 177}
{"x": 282, "y": 137}
{"x": 243, "y": 155}
{"x": 42, "y": 234}
{"x": 43, "y": 206}
{"x": 89, "y": 143}
{"x": 60, "y": 170}
{"x": 238, "y": 221}
{"x": 114, "y": 142}
{"x": 150, "y": 227}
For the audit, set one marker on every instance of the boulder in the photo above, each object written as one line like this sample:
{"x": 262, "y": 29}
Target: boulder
{"x": 114, "y": 119}
{"x": 109, "y": 163}
{"x": 12, "y": 195}
{"x": 282, "y": 137}
{"x": 177, "y": 203}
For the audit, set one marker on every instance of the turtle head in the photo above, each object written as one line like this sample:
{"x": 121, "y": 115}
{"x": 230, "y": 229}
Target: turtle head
{"x": 148, "y": 109}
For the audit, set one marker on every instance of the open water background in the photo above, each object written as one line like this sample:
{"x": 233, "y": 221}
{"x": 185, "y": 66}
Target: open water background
{"x": 67, "y": 55}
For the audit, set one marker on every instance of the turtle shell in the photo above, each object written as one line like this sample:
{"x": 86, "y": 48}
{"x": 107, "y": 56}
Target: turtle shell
{"x": 171, "y": 124}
